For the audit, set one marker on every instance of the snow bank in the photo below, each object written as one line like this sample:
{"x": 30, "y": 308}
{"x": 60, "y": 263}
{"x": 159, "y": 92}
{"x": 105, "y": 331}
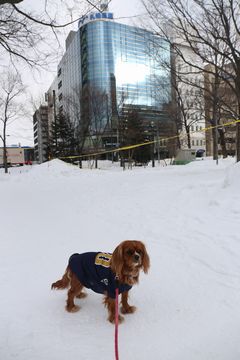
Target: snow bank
{"x": 232, "y": 177}
{"x": 188, "y": 217}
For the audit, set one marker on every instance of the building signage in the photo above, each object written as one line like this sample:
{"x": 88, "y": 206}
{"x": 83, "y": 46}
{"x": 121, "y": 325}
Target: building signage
{"x": 94, "y": 16}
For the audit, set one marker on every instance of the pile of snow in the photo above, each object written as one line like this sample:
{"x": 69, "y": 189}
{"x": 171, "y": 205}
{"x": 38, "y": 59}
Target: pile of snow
{"x": 188, "y": 217}
{"x": 54, "y": 167}
{"x": 232, "y": 177}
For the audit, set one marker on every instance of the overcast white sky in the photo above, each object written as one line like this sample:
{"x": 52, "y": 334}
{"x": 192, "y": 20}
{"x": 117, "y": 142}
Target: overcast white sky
{"x": 21, "y": 131}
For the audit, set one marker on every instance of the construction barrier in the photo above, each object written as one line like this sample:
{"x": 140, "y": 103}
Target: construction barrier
{"x": 146, "y": 143}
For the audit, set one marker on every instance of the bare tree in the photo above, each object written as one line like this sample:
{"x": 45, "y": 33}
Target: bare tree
{"x": 99, "y": 112}
{"x": 10, "y": 1}
{"x": 88, "y": 110}
{"x": 99, "y": 115}
{"x": 10, "y": 110}
{"x": 187, "y": 104}
{"x": 24, "y": 34}
{"x": 184, "y": 92}
{"x": 208, "y": 27}
{"x": 220, "y": 106}
{"x": 77, "y": 109}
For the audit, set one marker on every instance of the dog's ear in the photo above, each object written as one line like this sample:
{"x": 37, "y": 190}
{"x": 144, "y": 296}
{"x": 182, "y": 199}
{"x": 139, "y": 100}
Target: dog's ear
{"x": 117, "y": 260}
{"x": 145, "y": 260}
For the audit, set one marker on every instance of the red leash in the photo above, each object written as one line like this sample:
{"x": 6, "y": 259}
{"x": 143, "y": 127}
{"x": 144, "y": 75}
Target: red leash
{"x": 116, "y": 319}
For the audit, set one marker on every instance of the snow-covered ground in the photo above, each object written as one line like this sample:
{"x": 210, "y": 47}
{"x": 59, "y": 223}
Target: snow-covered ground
{"x": 188, "y": 217}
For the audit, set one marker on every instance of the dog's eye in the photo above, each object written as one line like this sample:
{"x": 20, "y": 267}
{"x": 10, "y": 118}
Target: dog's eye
{"x": 129, "y": 252}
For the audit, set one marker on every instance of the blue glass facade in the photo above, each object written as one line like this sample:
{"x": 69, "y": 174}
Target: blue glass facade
{"x": 138, "y": 60}
{"x": 127, "y": 67}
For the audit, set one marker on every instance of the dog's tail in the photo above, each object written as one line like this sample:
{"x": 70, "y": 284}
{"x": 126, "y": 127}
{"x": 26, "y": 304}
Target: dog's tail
{"x": 64, "y": 282}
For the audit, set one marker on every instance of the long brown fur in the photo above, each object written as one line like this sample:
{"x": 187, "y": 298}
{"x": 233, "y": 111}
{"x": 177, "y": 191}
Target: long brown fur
{"x": 128, "y": 259}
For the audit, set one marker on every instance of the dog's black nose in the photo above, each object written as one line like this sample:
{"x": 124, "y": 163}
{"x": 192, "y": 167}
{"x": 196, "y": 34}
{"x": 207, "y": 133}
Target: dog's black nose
{"x": 136, "y": 257}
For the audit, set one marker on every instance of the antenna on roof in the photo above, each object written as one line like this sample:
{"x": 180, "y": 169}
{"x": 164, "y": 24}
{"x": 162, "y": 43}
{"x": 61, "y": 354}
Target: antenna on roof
{"x": 103, "y": 6}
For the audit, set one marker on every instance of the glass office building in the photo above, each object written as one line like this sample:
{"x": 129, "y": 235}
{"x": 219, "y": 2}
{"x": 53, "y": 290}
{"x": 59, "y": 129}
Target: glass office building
{"x": 128, "y": 64}
{"x": 136, "y": 59}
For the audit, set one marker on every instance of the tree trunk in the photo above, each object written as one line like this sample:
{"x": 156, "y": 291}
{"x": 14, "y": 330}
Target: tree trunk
{"x": 5, "y": 163}
{"x": 238, "y": 141}
{"x": 188, "y": 137}
{"x": 10, "y": 1}
{"x": 215, "y": 143}
{"x": 5, "y": 157}
{"x": 222, "y": 143}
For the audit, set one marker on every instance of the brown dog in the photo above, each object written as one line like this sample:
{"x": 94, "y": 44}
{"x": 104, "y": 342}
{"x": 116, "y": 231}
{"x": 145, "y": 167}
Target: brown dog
{"x": 98, "y": 271}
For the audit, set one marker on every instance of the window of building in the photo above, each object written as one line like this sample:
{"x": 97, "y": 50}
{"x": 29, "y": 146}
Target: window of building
{"x": 60, "y": 84}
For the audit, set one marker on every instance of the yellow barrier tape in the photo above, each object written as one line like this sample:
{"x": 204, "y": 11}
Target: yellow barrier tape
{"x": 147, "y": 143}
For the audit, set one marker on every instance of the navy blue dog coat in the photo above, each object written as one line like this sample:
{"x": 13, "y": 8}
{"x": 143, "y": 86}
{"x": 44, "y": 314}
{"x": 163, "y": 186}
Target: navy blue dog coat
{"x": 93, "y": 271}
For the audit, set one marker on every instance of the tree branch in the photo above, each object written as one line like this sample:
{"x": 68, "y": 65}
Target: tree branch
{"x": 10, "y": 1}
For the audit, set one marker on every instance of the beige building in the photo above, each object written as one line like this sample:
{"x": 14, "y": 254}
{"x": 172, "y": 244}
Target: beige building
{"x": 188, "y": 89}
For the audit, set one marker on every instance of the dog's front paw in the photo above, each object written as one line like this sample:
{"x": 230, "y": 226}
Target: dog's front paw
{"x": 128, "y": 309}
{"x": 73, "y": 309}
{"x": 112, "y": 319}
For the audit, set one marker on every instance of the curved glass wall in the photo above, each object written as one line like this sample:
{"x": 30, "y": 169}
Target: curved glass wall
{"x": 138, "y": 60}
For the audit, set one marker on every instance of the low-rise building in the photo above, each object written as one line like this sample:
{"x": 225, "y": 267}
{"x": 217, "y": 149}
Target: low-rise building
{"x": 41, "y": 134}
